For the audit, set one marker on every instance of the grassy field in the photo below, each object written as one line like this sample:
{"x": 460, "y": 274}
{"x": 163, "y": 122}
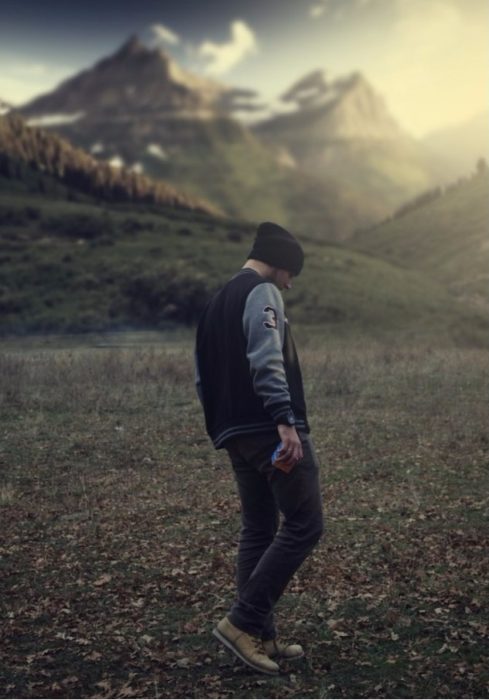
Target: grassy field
{"x": 119, "y": 525}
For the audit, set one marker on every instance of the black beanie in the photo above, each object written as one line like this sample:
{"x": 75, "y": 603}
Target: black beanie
{"x": 278, "y": 248}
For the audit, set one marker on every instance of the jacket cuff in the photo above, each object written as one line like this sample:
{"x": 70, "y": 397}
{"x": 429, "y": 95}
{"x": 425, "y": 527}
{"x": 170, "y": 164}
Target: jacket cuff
{"x": 281, "y": 413}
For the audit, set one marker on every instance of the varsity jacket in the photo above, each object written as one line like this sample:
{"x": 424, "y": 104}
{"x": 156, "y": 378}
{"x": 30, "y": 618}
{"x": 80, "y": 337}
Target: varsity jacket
{"x": 247, "y": 371}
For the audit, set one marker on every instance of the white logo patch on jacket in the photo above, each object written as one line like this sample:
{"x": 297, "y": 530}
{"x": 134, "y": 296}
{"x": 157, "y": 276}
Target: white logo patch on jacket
{"x": 271, "y": 321}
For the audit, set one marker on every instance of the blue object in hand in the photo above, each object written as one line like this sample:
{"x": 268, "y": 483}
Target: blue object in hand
{"x": 276, "y": 452}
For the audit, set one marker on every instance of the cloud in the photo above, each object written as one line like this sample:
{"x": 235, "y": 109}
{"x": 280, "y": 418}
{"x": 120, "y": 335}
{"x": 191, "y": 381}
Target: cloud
{"x": 339, "y": 9}
{"x": 164, "y": 35}
{"x": 223, "y": 57}
{"x": 317, "y": 10}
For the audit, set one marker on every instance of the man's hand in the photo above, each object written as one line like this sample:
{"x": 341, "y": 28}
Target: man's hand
{"x": 291, "y": 451}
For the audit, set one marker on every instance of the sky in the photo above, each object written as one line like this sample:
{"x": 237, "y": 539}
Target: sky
{"x": 429, "y": 59}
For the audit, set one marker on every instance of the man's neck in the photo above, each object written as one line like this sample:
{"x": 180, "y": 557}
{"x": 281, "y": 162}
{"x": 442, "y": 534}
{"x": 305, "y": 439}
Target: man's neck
{"x": 262, "y": 268}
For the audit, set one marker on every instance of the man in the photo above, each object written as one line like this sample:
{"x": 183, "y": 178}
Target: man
{"x": 250, "y": 385}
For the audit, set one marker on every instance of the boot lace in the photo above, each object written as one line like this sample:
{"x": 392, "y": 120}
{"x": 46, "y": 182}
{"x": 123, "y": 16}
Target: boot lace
{"x": 258, "y": 645}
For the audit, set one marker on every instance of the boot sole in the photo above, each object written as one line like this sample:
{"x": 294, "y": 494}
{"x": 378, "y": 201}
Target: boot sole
{"x": 287, "y": 658}
{"x": 227, "y": 643}
{"x": 283, "y": 657}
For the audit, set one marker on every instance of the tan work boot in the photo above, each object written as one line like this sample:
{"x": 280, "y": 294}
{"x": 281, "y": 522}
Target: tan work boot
{"x": 275, "y": 649}
{"x": 246, "y": 647}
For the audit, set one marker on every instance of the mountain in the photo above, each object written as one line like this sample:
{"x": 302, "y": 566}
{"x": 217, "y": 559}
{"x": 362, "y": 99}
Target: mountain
{"x": 24, "y": 149}
{"x": 443, "y": 236}
{"x": 343, "y": 127}
{"x": 139, "y": 108}
{"x": 135, "y": 81}
{"x": 459, "y": 147}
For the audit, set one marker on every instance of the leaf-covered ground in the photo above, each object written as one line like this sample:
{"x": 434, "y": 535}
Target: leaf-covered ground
{"x": 119, "y": 525}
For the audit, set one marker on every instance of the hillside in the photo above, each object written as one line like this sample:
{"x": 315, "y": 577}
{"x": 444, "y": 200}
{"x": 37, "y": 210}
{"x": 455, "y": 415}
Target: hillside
{"x": 446, "y": 238}
{"x": 72, "y": 266}
{"x": 24, "y": 148}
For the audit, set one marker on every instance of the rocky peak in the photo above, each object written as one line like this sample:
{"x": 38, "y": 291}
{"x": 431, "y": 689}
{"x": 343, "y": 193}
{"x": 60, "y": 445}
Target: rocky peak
{"x": 133, "y": 81}
{"x": 132, "y": 47}
{"x": 361, "y": 113}
{"x": 316, "y": 90}
{"x": 347, "y": 107}
{"x": 133, "y": 55}
{"x": 308, "y": 91}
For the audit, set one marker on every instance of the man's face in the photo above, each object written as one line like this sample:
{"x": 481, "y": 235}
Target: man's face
{"x": 282, "y": 278}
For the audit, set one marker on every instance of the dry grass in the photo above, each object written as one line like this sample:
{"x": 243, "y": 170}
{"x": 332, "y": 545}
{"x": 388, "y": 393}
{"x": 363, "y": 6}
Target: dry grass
{"x": 7, "y": 494}
{"x": 119, "y": 524}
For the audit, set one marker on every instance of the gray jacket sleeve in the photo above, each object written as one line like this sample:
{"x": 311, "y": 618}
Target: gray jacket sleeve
{"x": 264, "y": 329}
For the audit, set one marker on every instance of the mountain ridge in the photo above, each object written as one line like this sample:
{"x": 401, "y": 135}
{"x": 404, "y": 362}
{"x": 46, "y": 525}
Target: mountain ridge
{"x": 316, "y": 98}
{"x": 134, "y": 79}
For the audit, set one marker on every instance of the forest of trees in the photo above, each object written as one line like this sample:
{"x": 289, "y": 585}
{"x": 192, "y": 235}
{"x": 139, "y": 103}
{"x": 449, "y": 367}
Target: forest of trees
{"x": 25, "y": 151}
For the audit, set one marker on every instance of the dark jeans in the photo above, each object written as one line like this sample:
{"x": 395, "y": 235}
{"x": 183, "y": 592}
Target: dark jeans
{"x": 268, "y": 557}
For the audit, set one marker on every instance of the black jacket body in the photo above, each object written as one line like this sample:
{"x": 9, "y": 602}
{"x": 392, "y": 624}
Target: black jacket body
{"x": 232, "y": 405}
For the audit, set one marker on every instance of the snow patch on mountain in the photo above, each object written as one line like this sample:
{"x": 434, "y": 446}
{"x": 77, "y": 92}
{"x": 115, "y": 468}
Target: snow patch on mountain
{"x": 154, "y": 149}
{"x": 116, "y": 162}
{"x": 97, "y": 148}
{"x": 55, "y": 119}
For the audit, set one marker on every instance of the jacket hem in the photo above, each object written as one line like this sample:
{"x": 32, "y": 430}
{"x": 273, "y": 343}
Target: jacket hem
{"x": 249, "y": 428}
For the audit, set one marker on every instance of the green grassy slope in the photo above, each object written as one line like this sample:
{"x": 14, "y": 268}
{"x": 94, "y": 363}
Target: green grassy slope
{"x": 226, "y": 165}
{"x": 448, "y": 238}
{"x": 79, "y": 266}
